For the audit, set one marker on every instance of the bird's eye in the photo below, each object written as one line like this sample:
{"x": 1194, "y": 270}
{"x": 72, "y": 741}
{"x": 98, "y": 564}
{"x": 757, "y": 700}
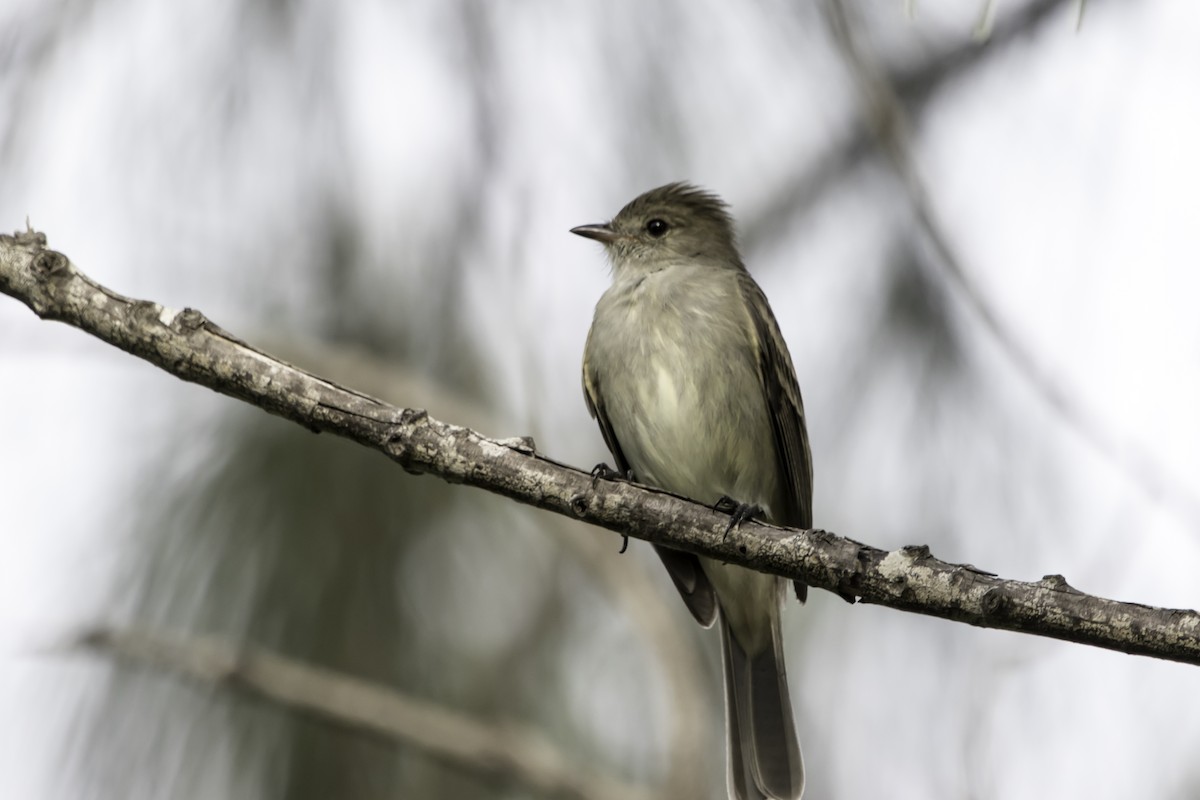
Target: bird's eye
{"x": 656, "y": 228}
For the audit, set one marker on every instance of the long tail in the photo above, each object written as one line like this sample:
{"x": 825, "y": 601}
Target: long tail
{"x": 764, "y": 754}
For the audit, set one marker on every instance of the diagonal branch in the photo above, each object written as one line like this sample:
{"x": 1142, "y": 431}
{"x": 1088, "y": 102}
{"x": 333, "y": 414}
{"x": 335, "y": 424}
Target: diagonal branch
{"x": 915, "y": 86}
{"x": 503, "y": 752}
{"x": 889, "y": 123}
{"x": 187, "y": 345}
{"x": 631, "y": 587}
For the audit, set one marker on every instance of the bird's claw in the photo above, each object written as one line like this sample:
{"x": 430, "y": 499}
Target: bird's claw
{"x": 738, "y": 512}
{"x": 603, "y": 472}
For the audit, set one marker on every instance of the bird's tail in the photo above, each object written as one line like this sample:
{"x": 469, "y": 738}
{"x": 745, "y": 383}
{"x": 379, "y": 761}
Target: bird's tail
{"x": 764, "y": 754}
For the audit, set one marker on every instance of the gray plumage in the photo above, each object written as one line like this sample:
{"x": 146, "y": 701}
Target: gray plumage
{"x": 689, "y": 377}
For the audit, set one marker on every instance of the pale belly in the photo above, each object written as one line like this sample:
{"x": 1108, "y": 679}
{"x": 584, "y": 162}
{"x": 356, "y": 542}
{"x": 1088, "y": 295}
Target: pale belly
{"x": 684, "y": 399}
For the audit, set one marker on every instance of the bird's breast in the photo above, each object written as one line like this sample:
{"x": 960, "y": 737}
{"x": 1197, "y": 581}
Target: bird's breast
{"x": 679, "y": 379}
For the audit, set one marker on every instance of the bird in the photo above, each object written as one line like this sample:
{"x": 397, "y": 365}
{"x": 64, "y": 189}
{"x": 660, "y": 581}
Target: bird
{"x": 688, "y": 375}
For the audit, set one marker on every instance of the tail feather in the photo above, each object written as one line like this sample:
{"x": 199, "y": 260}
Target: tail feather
{"x": 764, "y": 754}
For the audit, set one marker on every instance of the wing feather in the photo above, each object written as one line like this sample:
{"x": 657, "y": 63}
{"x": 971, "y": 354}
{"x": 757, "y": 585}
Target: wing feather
{"x": 786, "y": 411}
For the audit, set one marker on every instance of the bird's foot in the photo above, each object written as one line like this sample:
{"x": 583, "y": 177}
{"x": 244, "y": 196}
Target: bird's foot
{"x": 738, "y": 512}
{"x": 603, "y": 472}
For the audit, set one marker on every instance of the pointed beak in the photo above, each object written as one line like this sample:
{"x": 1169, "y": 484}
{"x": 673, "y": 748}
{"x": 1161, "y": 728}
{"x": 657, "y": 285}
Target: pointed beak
{"x": 602, "y": 233}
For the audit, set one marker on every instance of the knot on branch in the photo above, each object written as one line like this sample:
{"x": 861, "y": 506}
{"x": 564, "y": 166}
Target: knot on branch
{"x": 189, "y": 320}
{"x": 49, "y": 262}
{"x": 410, "y": 416}
{"x": 994, "y": 601}
{"x": 579, "y": 505}
{"x": 916, "y": 552}
{"x": 1058, "y": 583}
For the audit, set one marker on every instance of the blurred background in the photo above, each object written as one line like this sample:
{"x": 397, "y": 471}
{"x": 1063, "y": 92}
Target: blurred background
{"x": 381, "y": 192}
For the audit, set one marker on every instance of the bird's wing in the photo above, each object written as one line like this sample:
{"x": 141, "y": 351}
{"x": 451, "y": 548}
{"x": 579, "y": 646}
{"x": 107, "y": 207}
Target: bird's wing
{"x": 595, "y": 405}
{"x": 684, "y": 568}
{"x": 786, "y": 411}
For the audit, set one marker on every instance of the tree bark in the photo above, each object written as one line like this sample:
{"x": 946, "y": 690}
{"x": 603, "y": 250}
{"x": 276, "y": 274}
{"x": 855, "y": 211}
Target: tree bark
{"x": 189, "y": 346}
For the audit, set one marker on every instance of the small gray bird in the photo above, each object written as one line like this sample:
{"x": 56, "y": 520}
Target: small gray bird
{"x": 694, "y": 390}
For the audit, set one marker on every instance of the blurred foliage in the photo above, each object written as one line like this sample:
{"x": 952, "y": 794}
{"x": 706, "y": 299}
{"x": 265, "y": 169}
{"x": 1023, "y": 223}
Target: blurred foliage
{"x": 316, "y": 548}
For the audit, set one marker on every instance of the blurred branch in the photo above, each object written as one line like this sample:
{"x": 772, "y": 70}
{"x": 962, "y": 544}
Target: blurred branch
{"x": 651, "y": 612}
{"x": 190, "y": 347}
{"x": 914, "y": 85}
{"x": 887, "y": 119}
{"x": 496, "y": 751}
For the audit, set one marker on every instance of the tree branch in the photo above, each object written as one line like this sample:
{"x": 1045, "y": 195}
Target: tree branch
{"x": 187, "y": 345}
{"x": 632, "y": 587}
{"x": 915, "y": 85}
{"x": 497, "y": 751}
{"x": 889, "y": 123}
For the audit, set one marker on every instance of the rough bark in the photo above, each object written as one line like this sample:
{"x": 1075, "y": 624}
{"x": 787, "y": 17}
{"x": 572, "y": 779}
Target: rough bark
{"x": 189, "y": 346}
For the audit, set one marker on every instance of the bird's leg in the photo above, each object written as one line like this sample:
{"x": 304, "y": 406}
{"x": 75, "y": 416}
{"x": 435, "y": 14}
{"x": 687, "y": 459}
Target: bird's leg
{"x": 738, "y": 512}
{"x": 604, "y": 472}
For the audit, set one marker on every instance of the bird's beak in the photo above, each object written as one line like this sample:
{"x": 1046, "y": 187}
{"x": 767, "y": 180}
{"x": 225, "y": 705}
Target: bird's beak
{"x": 602, "y": 232}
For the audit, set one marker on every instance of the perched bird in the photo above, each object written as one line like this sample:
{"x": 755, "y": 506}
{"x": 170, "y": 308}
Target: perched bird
{"x": 689, "y": 377}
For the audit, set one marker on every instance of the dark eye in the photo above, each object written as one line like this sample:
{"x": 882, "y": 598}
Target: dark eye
{"x": 656, "y": 227}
